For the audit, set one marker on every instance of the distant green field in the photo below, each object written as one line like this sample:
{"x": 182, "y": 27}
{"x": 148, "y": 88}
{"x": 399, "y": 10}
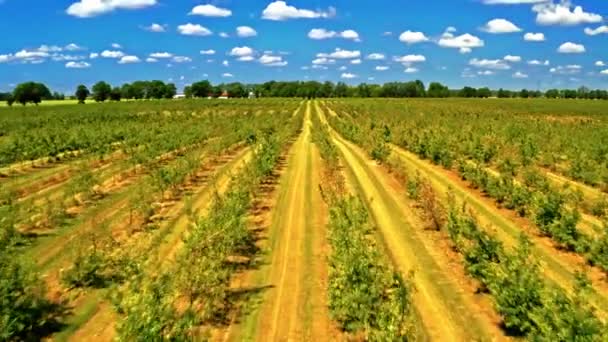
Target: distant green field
{"x": 49, "y": 103}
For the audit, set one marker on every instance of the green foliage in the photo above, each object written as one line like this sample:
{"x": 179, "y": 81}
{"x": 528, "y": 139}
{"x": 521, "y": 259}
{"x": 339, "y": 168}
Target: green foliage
{"x": 31, "y": 92}
{"x": 364, "y": 294}
{"x": 82, "y": 92}
{"x": 101, "y": 91}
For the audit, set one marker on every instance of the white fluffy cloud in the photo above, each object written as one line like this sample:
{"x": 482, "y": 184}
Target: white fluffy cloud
{"x": 520, "y": 74}
{"x": 280, "y": 10}
{"x": 550, "y": 13}
{"x": 600, "y": 64}
{"x": 500, "y": 26}
{"x": 485, "y": 73}
{"x": 151, "y": 60}
{"x": 112, "y": 54}
{"x": 92, "y": 8}
{"x": 272, "y": 61}
{"x": 116, "y": 46}
{"x": 246, "y": 31}
{"x": 323, "y": 61}
{"x": 570, "y": 47}
{"x": 154, "y": 27}
{"x": 341, "y": 54}
{"x": 495, "y": 64}
{"x": 161, "y": 55}
{"x": 512, "y": 59}
{"x": 567, "y": 69}
{"x": 410, "y": 37}
{"x": 604, "y": 72}
{"x": 537, "y": 62}
{"x": 207, "y": 52}
{"x": 594, "y": 32}
{"x": 181, "y": 59}
{"x": 320, "y": 33}
{"x": 355, "y": 61}
{"x": 348, "y": 75}
{"x": 194, "y": 30}
{"x": 210, "y": 11}
{"x": 227, "y": 75}
{"x": 410, "y": 59}
{"x": 77, "y": 65}
{"x": 376, "y": 56}
{"x": 241, "y": 51}
{"x": 410, "y": 70}
{"x": 465, "y": 42}
{"x": 534, "y": 37}
{"x": 382, "y": 68}
{"x": 129, "y": 60}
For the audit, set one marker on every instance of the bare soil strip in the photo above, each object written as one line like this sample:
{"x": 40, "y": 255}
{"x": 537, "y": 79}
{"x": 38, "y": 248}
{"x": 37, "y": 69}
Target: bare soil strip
{"x": 291, "y": 309}
{"x": 445, "y": 309}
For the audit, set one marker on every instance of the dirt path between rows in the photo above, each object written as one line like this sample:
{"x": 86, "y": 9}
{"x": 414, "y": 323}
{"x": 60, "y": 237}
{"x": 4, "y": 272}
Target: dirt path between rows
{"x": 292, "y": 306}
{"x": 447, "y": 312}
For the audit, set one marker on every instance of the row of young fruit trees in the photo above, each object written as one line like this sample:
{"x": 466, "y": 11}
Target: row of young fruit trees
{"x": 161, "y": 151}
{"x": 473, "y": 144}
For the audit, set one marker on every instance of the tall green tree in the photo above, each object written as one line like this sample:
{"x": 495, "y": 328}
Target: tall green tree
{"x": 101, "y": 91}
{"x": 82, "y": 92}
{"x": 31, "y": 92}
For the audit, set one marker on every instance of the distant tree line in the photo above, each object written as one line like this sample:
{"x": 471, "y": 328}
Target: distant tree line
{"x": 33, "y": 92}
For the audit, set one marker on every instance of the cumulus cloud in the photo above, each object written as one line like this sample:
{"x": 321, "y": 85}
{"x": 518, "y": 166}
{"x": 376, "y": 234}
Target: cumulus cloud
{"x": 210, "y": 11}
{"x": 348, "y": 75}
{"x": 465, "y": 42}
{"x": 92, "y": 8}
{"x": 272, "y": 61}
{"x": 193, "y": 30}
{"x": 410, "y": 70}
{"x": 341, "y": 54}
{"x": 410, "y": 59}
{"x": 537, "y": 62}
{"x": 116, "y": 46}
{"x": 485, "y": 73}
{"x": 512, "y": 59}
{"x": 382, "y": 68}
{"x": 227, "y": 75}
{"x": 600, "y": 64}
{"x": 571, "y": 69}
{"x": 604, "y": 72}
{"x": 323, "y": 60}
{"x": 410, "y": 37}
{"x": 246, "y": 31}
{"x": 73, "y": 47}
{"x": 112, "y": 54}
{"x": 77, "y": 65}
{"x": 207, "y": 52}
{"x": 534, "y": 37}
{"x": 520, "y": 74}
{"x": 280, "y": 10}
{"x": 161, "y": 55}
{"x": 181, "y": 59}
{"x": 594, "y": 32}
{"x": 241, "y": 51}
{"x": 154, "y": 27}
{"x": 93, "y": 55}
{"x": 355, "y": 61}
{"x": 151, "y": 60}
{"x": 224, "y": 35}
{"x": 570, "y": 47}
{"x": 225, "y": 63}
{"x": 320, "y": 33}
{"x": 500, "y": 26}
{"x": 129, "y": 60}
{"x": 495, "y": 64}
{"x": 375, "y": 56}
{"x": 550, "y": 13}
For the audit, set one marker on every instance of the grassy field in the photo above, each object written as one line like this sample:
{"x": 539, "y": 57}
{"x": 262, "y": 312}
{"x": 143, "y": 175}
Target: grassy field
{"x": 288, "y": 219}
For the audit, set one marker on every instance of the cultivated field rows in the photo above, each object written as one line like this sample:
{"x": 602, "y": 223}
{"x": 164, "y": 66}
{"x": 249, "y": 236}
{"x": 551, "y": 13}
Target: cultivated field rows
{"x": 304, "y": 220}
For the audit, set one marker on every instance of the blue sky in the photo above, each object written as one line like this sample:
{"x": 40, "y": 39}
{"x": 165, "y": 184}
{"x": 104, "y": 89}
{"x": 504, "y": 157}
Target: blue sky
{"x": 496, "y": 43}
